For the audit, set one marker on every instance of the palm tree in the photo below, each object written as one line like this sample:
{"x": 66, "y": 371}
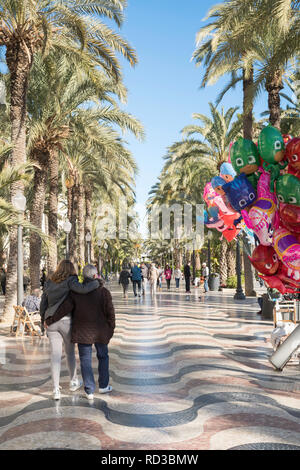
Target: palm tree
{"x": 76, "y": 28}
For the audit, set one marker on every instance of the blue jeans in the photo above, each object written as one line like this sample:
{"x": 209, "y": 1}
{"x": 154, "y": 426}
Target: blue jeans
{"x": 206, "y": 288}
{"x": 177, "y": 280}
{"x": 85, "y": 355}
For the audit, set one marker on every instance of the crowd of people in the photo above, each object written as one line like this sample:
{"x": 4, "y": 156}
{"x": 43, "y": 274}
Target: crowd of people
{"x": 82, "y": 313}
{"x": 152, "y": 275}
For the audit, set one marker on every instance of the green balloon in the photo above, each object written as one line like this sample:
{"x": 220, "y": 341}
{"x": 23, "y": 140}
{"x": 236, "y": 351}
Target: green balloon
{"x": 288, "y": 189}
{"x": 244, "y": 156}
{"x": 271, "y": 145}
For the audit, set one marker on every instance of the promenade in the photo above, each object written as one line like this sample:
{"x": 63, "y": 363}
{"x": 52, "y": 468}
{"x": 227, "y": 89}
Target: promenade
{"x": 186, "y": 374}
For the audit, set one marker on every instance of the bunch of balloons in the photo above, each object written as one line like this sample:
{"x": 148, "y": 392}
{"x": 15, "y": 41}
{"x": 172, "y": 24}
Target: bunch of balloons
{"x": 259, "y": 189}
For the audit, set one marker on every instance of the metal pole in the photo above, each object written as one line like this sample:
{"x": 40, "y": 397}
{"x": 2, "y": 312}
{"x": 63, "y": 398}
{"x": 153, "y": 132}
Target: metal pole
{"x": 239, "y": 295}
{"x": 99, "y": 261}
{"x": 20, "y": 269}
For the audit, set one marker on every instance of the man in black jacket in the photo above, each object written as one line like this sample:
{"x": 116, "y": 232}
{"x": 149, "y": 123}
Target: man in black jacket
{"x": 187, "y": 276}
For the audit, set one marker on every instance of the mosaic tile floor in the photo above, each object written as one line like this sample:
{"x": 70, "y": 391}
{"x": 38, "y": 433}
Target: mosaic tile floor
{"x": 186, "y": 374}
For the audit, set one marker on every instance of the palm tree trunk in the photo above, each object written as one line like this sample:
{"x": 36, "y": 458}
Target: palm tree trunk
{"x": 274, "y": 86}
{"x": 18, "y": 63}
{"x": 36, "y": 218}
{"x": 248, "y": 105}
{"x": 248, "y": 134}
{"x": 81, "y": 231}
{"x": 231, "y": 259}
{"x": 88, "y": 217}
{"x": 53, "y": 208}
{"x": 73, "y": 244}
{"x": 223, "y": 262}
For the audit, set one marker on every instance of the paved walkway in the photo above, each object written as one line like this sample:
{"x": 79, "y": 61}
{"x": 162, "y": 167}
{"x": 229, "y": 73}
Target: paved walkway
{"x": 186, "y": 374}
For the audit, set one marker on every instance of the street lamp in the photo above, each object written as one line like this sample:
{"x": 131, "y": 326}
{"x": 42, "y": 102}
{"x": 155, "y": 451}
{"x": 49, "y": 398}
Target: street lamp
{"x": 239, "y": 295}
{"x": 19, "y": 203}
{"x": 67, "y": 229}
{"x": 88, "y": 239}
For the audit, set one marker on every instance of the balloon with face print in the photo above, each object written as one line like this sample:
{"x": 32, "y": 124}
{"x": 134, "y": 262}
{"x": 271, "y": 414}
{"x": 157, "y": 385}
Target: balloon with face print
{"x": 227, "y": 172}
{"x": 240, "y": 193}
{"x": 272, "y": 270}
{"x": 272, "y": 150}
{"x": 265, "y": 260}
{"x": 292, "y": 154}
{"x": 288, "y": 195}
{"x": 245, "y": 159}
{"x": 287, "y": 247}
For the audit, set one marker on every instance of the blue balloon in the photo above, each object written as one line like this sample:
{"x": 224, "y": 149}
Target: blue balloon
{"x": 240, "y": 192}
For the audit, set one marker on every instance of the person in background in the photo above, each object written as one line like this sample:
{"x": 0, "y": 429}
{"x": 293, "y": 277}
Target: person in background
{"x": 26, "y": 282}
{"x": 93, "y": 323}
{"x": 43, "y": 278}
{"x": 205, "y": 275}
{"x": 144, "y": 270}
{"x": 3, "y": 280}
{"x": 187, "y": 277}
{"x": 56, "y": 290}
{"x": 136, "y": 277}
{"x": 32, "y": 301}
{"x": 159, "y": 278}
{"x": 168, "y": 276}
{"x": 177, "y": 275}
{"x": 152, "y": 277}
{"x": 124, "y": 280}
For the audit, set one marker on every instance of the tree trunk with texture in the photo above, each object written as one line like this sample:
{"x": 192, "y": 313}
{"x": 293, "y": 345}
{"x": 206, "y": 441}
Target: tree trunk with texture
{"x": 223, "y": 263}
{"x": 19, "y": 63}
{"x": 248, "y": 105}
{"x": 53, "y": 209}
{"x": 73, "y": 240}
{"x": 36, "y": 218}
{"x": 81, "y": 229}
{"x": 231, "y": 259}
{"x": 88, "y": 219}
{"x": 274, "y": 86}
{"x": 248, "y": 134}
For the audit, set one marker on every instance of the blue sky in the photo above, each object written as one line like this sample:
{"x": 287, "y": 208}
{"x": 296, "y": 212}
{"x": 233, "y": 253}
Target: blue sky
{"x": 164, "y": 86}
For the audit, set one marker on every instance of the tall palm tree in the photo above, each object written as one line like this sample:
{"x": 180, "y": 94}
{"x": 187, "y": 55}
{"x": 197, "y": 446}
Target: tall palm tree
{"x": 27, "y": 27}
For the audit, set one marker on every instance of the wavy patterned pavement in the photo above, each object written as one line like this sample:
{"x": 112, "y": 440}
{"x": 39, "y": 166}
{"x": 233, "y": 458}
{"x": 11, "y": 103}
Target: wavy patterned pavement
{"x": 186, "y": 374}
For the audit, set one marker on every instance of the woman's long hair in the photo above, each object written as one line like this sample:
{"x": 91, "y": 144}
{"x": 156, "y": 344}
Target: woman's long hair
{"x": 65, "y": 269}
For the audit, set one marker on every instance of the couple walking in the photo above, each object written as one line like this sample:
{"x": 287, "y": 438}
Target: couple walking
{"x": 78, "y": 313}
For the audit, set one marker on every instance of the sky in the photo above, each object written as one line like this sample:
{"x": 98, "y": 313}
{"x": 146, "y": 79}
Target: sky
{"x": 164, "y": 88}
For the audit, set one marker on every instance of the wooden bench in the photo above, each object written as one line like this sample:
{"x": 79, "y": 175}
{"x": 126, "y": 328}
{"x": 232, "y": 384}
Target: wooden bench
{"x": 29, "y": 320}
{"x": 286, "y": 311}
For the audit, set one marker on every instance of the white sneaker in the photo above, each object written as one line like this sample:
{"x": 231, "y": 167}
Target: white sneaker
{"x": 106, "y": 389}
{"x": 56, "y": 394}
{"x": 75, "y": 385}
{"x": 89, "y": 396}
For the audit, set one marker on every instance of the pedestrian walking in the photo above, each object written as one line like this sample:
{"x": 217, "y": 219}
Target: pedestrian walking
{"x": 93, "y": 323}
{"x": 152, "y": 277}
{"x": 43, "y": 278}
{"x": 187, "y": 277}
{"x": 144, "y": 270}
{"x": 55, "y": 292}
{"x": 136, "y": 277}
{"x": 168, "y": 276}
{"x": 177, "y": 275}
{"x": 205, "y": 275}
{"x": 124, "y": 281}
{"x": 159, "y": 278}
